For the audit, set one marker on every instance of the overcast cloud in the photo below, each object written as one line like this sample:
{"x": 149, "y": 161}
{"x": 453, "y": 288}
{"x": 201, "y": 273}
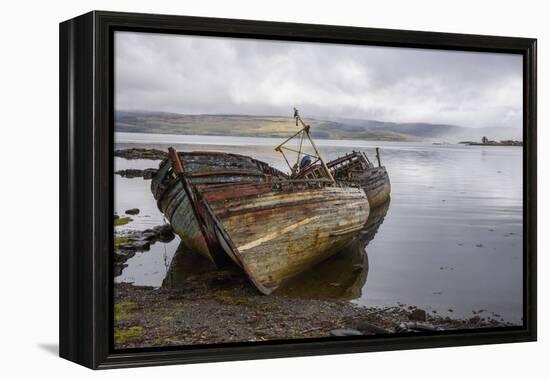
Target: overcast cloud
{"x": 210, "y": 75}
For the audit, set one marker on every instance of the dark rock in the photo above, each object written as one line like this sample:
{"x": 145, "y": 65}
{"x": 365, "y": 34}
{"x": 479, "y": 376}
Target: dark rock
{"x": 120, "y": 257}
{"x": 139, "y": 241}
{"x": 137, "y": 173}
{"x": 165, "y": 233}
{"x": 132, "y": 211}
{"x": 136, "y": 245}
{"x": 166, "y": 237}
{"x": 141, "y": 154}
{"x": 420, "y": 326}
{"x": 141, "y": 245}
{"x": 370, "y": 329}
{"x": 345, "y": 332}
{"x": 148, "y": 234}
{"x": 417, "y": 315}
{"x": 115, "y": 217}
{"x": 163, "y": 228}
{"x": 474, "y": 320}
{"x": 402, "y": 328}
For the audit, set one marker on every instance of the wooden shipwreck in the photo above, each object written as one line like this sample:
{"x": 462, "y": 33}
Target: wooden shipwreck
{"x": 203, "y": 168}
{"x": 271, "y": 224}
{"x": 354, "y": 168}
{"x": 357, "y": 168}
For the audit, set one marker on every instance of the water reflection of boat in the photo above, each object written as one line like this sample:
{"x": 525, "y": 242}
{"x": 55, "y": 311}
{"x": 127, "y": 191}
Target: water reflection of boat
{"x": 344, "y": 275}
{"x": 186, "y": 264}
{"x": 376, "y": 218}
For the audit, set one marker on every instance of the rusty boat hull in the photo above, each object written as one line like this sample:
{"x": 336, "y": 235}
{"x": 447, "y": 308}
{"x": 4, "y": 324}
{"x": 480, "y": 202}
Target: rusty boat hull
{"x": 277, "y": 230}
{"x": 203, "y": 168}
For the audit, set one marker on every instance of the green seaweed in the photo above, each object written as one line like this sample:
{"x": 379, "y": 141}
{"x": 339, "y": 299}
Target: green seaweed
{"x": 123, "y": 310}
{"x": 122, "y": 221}
{"x": 121, "y": 240}
{"x": 228, "y": 297}
{"x": 131, "y": 333}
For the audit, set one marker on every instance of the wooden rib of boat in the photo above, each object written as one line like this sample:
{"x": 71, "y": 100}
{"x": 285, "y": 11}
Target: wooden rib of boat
{"x": 203, "y": 168}
{"x": 357, "y": 168}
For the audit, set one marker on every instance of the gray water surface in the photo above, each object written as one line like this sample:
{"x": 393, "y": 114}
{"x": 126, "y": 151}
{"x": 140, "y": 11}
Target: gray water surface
{"x": 451, "y": 238}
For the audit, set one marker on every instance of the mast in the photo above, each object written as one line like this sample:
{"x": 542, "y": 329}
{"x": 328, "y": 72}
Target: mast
{"x": 304, "y": 132}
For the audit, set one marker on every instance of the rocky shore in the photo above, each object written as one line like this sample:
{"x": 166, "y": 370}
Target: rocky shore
{"x": 127, "y": 243}
{"x": 137, "y": 173}
{"x": 493, "y": 143}
{"x": 141, "y": 154}
{"x": 220, "y": 307}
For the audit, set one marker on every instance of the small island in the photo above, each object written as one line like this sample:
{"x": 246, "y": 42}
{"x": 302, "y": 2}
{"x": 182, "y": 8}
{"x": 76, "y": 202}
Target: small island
{"x": 486, "y": 141}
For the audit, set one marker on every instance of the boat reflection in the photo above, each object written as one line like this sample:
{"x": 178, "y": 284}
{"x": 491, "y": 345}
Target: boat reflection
{"x": 342, "y": 276}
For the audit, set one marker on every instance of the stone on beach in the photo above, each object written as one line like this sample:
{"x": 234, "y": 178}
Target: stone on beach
{"x": 418, "y": 315}
{"x": 345, "y": 332}
{"x": 370, "y": 329}
{"x": 137, "y": 173}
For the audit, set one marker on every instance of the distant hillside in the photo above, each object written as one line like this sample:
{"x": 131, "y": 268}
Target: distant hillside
{"x": 277, "y": 126}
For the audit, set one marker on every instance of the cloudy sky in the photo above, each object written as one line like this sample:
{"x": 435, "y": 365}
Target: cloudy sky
{"x": 211, "y": 75}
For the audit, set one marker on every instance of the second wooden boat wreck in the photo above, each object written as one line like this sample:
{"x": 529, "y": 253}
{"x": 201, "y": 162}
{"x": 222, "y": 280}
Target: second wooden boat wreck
{"x": 354, "y": 168}
{"x": 357, "y": 168}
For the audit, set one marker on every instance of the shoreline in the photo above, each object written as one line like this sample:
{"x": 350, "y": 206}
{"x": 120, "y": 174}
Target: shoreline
{"x": 221, "y": 307}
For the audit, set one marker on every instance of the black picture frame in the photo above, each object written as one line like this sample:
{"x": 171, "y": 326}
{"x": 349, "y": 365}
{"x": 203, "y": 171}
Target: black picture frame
{"x": 86, "y": 184}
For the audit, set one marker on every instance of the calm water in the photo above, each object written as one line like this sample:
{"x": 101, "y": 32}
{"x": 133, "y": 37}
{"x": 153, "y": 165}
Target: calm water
{"x": 451, "y": 237}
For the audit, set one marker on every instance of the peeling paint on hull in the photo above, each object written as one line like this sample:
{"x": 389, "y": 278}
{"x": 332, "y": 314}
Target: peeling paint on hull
{"x": 356, "y": 168}
{"x": 277, "y": 234}
{"x": 272, "y": 226}
{"x": 204, "y": 168}
{"x": 376, "y": 184}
